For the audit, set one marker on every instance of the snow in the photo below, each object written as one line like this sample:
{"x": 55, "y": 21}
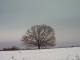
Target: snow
{"x": 42, "y": 54}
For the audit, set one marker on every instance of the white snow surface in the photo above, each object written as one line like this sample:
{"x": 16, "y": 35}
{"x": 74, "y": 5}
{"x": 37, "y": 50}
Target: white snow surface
{"x": 42, "y": 54}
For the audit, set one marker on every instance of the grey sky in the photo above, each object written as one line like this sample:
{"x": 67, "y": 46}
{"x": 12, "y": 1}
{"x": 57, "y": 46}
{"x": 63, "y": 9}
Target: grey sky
{"x": 18, "y": 15}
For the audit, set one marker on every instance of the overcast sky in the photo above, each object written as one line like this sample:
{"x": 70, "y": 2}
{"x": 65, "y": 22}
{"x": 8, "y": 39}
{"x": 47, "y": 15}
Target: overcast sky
{"x": 16, "y": 16}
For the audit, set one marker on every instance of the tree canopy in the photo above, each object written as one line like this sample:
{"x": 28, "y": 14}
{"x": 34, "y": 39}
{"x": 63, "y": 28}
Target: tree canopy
{"x": 40, "y": 36}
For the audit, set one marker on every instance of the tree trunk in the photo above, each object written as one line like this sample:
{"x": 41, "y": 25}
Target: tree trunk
{"x": 38, "y": 46}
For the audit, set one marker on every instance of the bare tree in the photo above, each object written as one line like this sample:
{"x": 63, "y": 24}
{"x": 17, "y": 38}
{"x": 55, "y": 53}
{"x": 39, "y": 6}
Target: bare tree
{"x": 39, "y": 35}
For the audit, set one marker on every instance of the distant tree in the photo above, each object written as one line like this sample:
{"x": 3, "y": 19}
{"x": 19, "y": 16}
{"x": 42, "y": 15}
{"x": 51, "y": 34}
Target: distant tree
{"x": 4, "y": 49}
{"x": 14, "y": 48}
{"x": 72, "y": 46}
{"x": 40, "y": 36}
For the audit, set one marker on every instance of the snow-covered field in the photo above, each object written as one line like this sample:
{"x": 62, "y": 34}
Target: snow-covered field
{"x": 43, "y": 54}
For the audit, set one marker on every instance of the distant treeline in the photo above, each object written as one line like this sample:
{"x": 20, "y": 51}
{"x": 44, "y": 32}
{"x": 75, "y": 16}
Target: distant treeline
{"x": 16, "y": 48}
{"x": 10, "y": 49}
{"x": 68, "y": 46}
